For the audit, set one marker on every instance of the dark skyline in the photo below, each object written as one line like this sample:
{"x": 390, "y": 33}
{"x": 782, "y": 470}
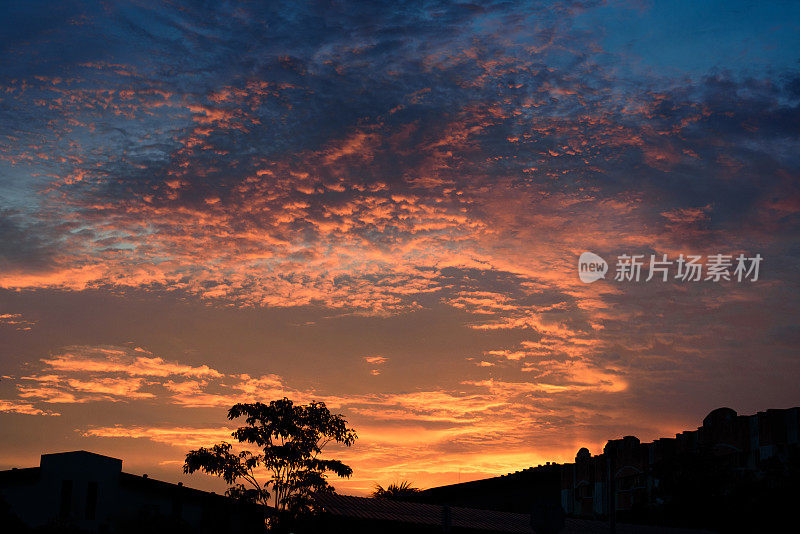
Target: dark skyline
{"x": 382, "y": 207}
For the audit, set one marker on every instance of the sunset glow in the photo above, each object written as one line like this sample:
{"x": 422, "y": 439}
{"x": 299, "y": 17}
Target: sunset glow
{"x": 382, "y": 208}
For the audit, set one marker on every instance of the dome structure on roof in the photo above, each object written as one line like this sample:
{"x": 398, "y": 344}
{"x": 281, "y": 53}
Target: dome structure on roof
{"x": 720, "y": 415}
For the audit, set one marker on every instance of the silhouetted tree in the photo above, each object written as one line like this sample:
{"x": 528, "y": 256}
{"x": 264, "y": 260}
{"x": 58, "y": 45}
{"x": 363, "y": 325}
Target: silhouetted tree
{"x": 290, "y": 438}
{"x": 398, "y": 491}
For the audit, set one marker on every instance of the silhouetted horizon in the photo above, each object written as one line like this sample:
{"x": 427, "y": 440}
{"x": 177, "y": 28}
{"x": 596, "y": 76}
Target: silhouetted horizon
{"x": 486, "y": 234}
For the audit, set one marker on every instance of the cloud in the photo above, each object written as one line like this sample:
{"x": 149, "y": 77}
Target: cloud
{"x": 459, "y": 171}
{"x": 116, "y": 360}
{"x": 442, "y": 419}
{"x": 375, "y": 362}
{"x": 503, "y": 156}
{"x": 16, "y": 321}
{"x": 23, "y": 408}
{"x": 176, "y": 436}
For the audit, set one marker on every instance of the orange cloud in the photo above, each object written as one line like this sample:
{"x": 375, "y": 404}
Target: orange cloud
{"x": 17, "y": 321}
{"x": 113, "y": 360}
{"x": 23, "y": 408}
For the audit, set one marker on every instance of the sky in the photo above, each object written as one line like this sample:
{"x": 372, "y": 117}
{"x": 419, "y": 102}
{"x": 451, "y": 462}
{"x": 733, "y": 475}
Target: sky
{"x": 381, "y": 206}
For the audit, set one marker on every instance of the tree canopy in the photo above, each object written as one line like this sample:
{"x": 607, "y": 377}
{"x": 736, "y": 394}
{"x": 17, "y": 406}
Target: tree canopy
{"x": 398, "y": 491}
{"x": 288, "y": 439}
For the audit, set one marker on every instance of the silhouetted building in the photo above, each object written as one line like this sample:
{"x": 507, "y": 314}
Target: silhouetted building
{"x": 729, "y": 454}
{"x": 734, "y": 472}
{"x": 343, "y": 514}
{"x": 89, "y": 492}
{"x": 346, "y": 514}
{"x": 515, "y": 492}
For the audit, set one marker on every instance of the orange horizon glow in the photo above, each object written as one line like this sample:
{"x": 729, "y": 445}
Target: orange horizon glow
{"x": 384, "y": 212}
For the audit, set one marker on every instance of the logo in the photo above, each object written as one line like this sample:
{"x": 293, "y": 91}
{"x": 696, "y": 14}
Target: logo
{"x": 716, "y": 268}
{"x": 591, "y": 267}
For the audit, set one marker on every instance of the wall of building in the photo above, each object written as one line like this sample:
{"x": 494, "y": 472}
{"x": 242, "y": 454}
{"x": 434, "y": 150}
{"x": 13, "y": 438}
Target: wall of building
{"x": 727, "y": 442}
{"x": 516, "y": 492}
{"x": 727, "y": 452}
{"x": 90, "y": 492}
